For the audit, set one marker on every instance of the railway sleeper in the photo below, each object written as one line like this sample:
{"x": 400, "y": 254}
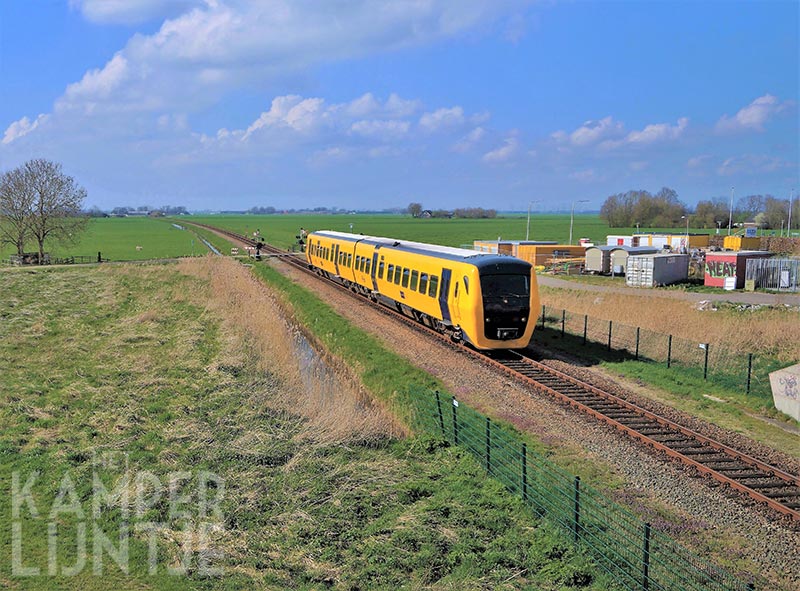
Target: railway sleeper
{"x": 699, "y": 451}
{"x": 768, "y": 485}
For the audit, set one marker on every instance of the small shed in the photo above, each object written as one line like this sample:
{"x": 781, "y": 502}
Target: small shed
{"x": 619, "y": 256}
{"x": 729, "y": 264}
{"x": 652, "y": 270}
{"x": 598, "y": 259}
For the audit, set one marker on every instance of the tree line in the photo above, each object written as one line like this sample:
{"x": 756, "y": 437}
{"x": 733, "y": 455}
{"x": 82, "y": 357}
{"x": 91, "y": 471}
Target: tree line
{"x": 639, "y": 208}
{"x": 416, "y": 211}
{"x": 39, "y": 202}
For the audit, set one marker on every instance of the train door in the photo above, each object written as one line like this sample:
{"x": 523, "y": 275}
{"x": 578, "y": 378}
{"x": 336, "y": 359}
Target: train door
{"x": 444, "y": 295}
{"x": 458, "y": 296}
{"x": 336, "y": 258}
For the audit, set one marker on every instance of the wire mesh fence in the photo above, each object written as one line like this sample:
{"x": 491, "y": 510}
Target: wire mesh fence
{"x": 740, "y": 370}
{"x": 635, "y": 556}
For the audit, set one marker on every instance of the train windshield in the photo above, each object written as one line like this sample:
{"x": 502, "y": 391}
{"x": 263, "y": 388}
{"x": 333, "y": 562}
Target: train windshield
{"x": 505, "y": 286}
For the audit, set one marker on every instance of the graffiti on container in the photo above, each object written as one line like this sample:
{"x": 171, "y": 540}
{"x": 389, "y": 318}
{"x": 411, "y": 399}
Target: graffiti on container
{"x": 720, "y": 269}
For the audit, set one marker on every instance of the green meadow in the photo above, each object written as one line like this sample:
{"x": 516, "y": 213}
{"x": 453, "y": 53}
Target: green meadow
{"x": 117, "y": 240}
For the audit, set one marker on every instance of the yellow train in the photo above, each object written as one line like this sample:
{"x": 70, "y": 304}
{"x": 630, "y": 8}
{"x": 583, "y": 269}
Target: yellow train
{"x": 489, "y": 301}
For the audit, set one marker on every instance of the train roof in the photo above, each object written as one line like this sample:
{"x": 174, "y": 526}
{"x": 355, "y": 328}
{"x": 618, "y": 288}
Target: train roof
{"x": 479, "y": 259}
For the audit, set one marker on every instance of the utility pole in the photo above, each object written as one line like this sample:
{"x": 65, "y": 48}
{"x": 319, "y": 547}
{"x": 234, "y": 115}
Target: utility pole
{"x": 528, "y": 226}
{"x": 572, "y": 217}
{"x": 730, "y": 215}
{"x": 789, "y": 228}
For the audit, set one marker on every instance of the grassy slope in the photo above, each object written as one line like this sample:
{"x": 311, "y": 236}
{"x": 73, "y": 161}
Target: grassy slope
{"x": 132, "y": 360}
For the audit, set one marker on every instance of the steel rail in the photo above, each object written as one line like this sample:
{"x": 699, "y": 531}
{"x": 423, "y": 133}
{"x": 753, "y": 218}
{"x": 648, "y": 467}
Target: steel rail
{"x": 786, "y": 480}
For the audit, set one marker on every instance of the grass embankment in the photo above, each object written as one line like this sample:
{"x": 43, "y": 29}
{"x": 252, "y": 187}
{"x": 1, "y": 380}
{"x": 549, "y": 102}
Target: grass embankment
{"x": 167, "y": 369}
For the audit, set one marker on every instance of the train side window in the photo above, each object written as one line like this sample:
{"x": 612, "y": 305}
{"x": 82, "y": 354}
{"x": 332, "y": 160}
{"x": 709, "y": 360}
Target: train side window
{"x": 414, "y": 280}
{"x": 423, "y": 283}
{"x": 365, "y": 264}
{"x": 406, "y": 275}
{"x": 398, "y": 270}
{"x": 466, "y": 284}
{"x": 433, "y": 286}
{"x": 389, "y": 272}
{"x": 380, "y": 270}
{"x": 456, "y": 293}
{"x": 349, "y": 260}
{"x": 368, "y": 267}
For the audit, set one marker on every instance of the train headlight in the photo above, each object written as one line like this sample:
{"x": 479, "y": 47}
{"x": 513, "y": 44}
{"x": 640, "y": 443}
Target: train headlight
{"x": 488, "y": 320}
{"x": 524, "y": 319}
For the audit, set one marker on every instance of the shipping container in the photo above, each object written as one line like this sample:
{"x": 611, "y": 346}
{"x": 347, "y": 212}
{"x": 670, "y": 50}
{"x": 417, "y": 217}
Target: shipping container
{"x": 652, "y": 270}
{"x": 619, "y": 256}
{"x": 777, "y": 274}
{"x": 619, "y": 241}
{"x": 741, "y": 243}
{"x": 724, "y": 265}
{"x": 504, "y": 246}
{"x": 541, "y": 254}
{"x": 598, "y": 259}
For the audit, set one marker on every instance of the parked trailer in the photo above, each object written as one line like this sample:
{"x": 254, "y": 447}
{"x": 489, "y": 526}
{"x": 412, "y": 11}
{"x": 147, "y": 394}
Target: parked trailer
{"x": 598, "y": 259}
{"x": 652, "y": 270}
{"x": 777, "y": 274}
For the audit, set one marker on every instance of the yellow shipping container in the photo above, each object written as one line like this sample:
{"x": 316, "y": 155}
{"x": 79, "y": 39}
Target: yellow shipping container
{"x": 538, "y": 254}
{"x": 741, "y": 243}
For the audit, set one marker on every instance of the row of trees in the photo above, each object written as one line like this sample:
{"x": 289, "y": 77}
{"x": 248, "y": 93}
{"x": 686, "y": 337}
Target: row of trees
{"x": 664, "y": 209}
{"x": 416, "y": 211}
{"x": 39, "y": 202}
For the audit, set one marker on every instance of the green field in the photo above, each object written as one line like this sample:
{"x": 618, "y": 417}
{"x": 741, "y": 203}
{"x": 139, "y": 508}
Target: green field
{"x": 117, "y": 238}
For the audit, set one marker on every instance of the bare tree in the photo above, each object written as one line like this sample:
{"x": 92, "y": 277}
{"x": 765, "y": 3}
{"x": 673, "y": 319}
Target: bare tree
{"x": 57, "y": 205}
{"x": 415, "y": 209}
{"x": 16, "y": 207}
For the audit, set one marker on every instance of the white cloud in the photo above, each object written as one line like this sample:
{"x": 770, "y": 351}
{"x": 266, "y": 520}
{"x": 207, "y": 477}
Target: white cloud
{"x": 591, "y": 132}
{"x": 442, "y": 119}
{"x": 753, "y": 116}
{"x": 584, "y": 175}
{"x": 22, "y": 127}
{"x": 656, "y": 132}
{"x": 468, "y": 141}
{"x": 129, "y": 12}
{"x": 380, "y": 130}
{"x": 504, "y": 152}
{"x": 752, "y": 164}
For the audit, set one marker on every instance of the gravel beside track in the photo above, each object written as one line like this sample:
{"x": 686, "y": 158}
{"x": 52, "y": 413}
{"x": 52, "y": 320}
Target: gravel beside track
{"x": 754, "y": 534}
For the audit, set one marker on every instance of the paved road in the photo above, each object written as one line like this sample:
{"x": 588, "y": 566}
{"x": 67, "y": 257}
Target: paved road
{"x": 739, "y": 297}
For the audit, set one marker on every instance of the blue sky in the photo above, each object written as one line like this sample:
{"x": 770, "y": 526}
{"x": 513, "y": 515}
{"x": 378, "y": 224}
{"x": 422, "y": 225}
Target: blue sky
{"x": 223, "y": 104}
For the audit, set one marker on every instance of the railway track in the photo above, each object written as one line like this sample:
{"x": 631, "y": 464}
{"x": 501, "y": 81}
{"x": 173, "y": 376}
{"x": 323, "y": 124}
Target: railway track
{"x": 757, "y": 480}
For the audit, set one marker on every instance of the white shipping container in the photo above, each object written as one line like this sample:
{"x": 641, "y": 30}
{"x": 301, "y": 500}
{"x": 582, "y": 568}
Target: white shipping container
{"x": 651, "y": 270}
{"x": 619, "y": 240}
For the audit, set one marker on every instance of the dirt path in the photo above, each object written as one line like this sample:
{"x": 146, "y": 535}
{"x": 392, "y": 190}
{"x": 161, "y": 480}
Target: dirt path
{"x": 738, "y": 297}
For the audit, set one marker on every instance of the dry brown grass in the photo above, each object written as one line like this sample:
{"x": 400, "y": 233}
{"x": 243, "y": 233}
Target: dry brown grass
{"x": 335, "y": 406}
{"x": 774, "y": 331}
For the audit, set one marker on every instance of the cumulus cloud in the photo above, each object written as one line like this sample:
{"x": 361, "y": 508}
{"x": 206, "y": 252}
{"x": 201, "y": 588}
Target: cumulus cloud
{"x": 503, "y": 153}
{"x": 468, "y": 141}
{"x": 591, "y": 132}
{"x": 22, "y": 127}
{"x": 131, "y": 12}
{"x": 442, "y": 118}
{"x": 651, "y": 134}
{"x": 381, "y": 130}
{"x": 753, "y": 116}
{"x": 752, "y": 164}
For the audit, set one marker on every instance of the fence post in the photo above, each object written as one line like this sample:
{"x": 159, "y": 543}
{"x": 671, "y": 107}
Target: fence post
{"x": 609, "y": 335}
{"x": 543, "y": 312}
{"x": 439, "y": 408}
{"x": 646, "y": 558}
{"x": 705, "y": 363}
{"x": 749, "y": 370}
{"x": 563, "y": 320}
{"x": 577, "y": 508}
{"x": 455, "y": 422}
{"x": 524, "y": 472}
{"x": 637, "y": 343}
{"x": 669, "y": 351}
{"x": 488, "y": 445}
{"x": 585, "y": 325}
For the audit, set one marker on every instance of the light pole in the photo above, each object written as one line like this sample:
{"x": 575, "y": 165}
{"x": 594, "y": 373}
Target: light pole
{"x": 528, "y": 226}
{"x": 572, "y": 217}
{"x": 730, "y": 215}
